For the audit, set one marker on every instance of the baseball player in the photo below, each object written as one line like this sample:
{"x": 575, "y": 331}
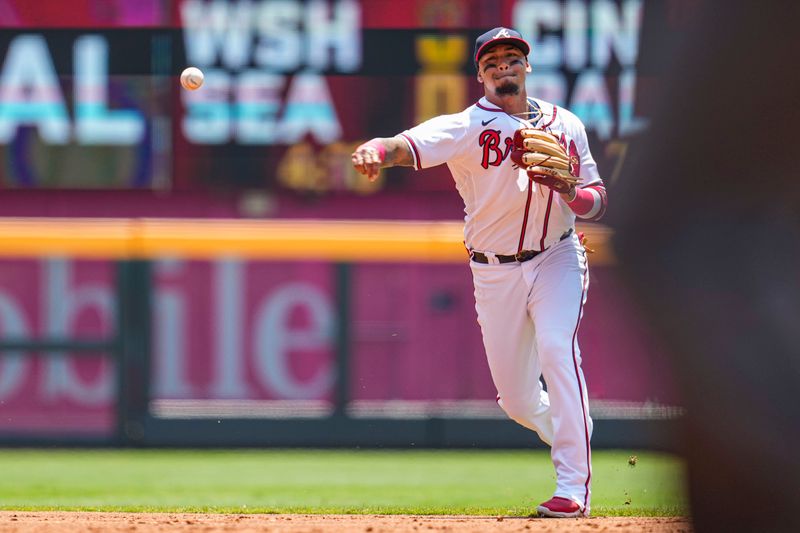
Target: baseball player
{"x": 524, "y": 171}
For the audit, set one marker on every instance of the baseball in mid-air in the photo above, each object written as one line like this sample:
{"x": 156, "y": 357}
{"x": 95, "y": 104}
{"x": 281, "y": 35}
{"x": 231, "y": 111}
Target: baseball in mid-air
{"x": 192, "y": 78}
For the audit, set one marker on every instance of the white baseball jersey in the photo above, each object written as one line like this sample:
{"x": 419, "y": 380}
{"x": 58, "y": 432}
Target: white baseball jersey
{"x": 506, "y": 212}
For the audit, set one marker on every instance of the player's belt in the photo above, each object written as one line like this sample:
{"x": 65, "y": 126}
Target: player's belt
{"x": 521, "y": 257}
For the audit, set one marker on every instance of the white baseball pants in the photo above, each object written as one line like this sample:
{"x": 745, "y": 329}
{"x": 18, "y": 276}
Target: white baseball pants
{"x": 529, "y": 315}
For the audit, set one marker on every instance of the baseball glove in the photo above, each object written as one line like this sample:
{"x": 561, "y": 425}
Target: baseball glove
{"x": 546, "y": 159}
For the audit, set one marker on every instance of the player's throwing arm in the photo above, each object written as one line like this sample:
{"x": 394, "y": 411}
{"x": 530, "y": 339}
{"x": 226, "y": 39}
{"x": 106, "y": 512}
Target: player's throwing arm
{"x": 379, "y": 153}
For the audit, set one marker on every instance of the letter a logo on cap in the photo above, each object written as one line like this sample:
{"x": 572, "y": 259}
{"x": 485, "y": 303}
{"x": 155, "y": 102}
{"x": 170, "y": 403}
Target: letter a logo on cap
{"x": 501, "y": 34}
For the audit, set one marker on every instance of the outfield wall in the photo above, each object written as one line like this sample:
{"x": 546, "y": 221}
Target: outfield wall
{"x": 233, "y": 332}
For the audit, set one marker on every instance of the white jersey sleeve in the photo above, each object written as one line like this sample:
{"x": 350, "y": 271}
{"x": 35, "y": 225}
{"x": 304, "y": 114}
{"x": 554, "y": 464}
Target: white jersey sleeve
{"x": 589, "y": 173}
{"x": 575, "y": 130}
{"x": 437, "y": 140}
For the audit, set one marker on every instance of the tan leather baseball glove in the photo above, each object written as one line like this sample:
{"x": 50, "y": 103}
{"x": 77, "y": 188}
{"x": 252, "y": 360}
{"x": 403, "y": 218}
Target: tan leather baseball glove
{"x": 546, "y": 159}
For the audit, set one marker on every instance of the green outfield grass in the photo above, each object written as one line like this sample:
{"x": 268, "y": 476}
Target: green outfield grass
{"x": 507, "y": 483}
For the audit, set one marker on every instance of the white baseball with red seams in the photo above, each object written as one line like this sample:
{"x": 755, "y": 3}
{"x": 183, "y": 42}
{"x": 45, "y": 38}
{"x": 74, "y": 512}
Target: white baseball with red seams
{"x": 529, "y": 312}
{"x": 192, "y": 78}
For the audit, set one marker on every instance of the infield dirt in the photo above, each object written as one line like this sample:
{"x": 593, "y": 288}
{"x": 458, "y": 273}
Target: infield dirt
{"x": 60, "y": 522}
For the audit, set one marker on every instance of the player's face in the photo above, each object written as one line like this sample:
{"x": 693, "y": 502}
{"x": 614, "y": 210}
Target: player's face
{"x": 502, "y": 69}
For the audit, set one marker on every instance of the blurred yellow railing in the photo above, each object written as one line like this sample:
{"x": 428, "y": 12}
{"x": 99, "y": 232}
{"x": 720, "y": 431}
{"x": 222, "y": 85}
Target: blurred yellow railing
{"x": 329, "y": 240}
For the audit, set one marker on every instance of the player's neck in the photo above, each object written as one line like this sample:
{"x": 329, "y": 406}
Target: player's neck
{"x": 512, "y": 103}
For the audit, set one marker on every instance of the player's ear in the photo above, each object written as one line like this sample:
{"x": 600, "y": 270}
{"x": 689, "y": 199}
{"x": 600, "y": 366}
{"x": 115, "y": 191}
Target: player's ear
{"x": 528, "y": 67}
{"x": 480, "y": 79}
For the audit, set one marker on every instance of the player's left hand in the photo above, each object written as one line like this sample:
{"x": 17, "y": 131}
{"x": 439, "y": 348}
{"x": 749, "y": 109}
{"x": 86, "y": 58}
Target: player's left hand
{"x": 545, "y": 159}
{"x": 367, "y": 159}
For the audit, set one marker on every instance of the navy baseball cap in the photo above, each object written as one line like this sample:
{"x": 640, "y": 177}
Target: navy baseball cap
{"x": 497, "y": 36}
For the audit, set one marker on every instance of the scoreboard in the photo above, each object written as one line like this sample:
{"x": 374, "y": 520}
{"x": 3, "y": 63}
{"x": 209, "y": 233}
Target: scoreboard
{"x": 89, "y": 96}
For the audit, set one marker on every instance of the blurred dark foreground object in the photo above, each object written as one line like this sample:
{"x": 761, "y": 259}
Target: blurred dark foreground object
{"x": 707, "y": 223}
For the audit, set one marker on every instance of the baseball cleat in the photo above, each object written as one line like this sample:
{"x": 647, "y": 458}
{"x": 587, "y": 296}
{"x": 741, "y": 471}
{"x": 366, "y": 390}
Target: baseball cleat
{"x": 558, "y": 507}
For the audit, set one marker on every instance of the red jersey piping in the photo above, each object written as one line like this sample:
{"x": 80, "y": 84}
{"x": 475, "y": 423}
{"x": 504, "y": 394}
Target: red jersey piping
{"x": 413, "y": 147}
{"x": 546, "y": 219}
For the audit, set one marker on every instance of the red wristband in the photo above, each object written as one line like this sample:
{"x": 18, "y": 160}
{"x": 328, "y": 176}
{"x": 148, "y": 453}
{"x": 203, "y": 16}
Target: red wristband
{"x": 374, "y": 143}
{"x": 583, "y": 201}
